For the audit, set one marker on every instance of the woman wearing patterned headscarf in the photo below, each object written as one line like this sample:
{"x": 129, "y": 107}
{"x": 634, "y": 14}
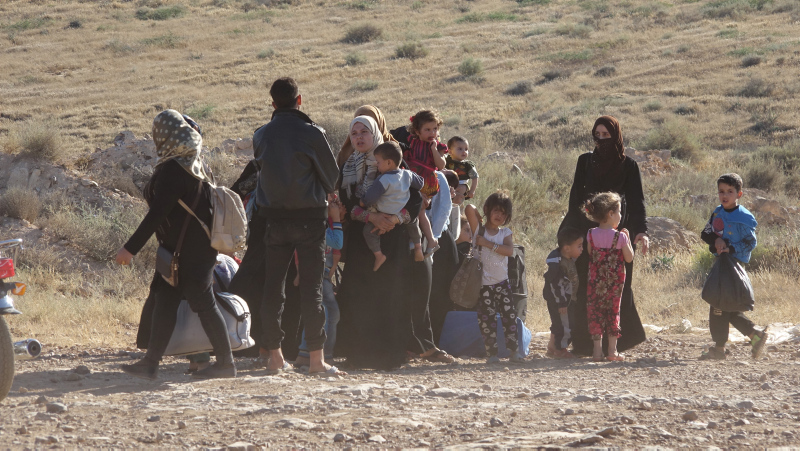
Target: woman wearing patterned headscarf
{"x": 178, "y": 175}
{"x": 361, "y": 168}
{"x": 607, "y": 168}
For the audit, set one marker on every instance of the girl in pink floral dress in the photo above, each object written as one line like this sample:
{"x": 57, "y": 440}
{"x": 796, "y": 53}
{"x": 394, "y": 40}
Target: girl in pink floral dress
{"x": 609, "y": 249}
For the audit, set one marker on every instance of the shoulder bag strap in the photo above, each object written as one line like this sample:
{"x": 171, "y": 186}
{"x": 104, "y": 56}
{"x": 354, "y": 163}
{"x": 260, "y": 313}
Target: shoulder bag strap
{"x": 191, "y": 212}
{"x": 178, "y": 246}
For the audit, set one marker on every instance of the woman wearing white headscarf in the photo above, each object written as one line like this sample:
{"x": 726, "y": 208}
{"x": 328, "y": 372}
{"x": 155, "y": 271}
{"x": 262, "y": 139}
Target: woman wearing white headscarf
{"x": 178, "y": 175}
{"x": 361, "y": 168}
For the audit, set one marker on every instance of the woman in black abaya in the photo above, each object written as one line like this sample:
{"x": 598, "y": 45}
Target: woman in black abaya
{"x": 605, "y": 169}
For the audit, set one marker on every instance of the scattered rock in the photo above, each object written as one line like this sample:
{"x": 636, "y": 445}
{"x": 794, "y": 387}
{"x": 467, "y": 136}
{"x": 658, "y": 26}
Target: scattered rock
{"x": 569, "y": 411}
{"x": 340, "y": 438}
{"x": 609, "y": 431}
{"x": 67, "y": 428}
{"x": 154, "y": 418}
{"x": 669, "y": 235}
{"x": 295, "y": 423}
{"x": 23, "y": 430}
{"x": 766, "y": 386}
{"x": 41, "y": 416}
{"x": 443, "y": 392}
{"x": 242, "y": 446}
{"x": 56, "y": 407}
{"x": 74, "y": 377}
{"x": 745, "y": 405}
{"x": 495, "y": 422}
{"x": 82, "y": 369}
{"x": 690, "y": 416}
{"x": 181, "y": 425}
{"x": 499, "y": 156}
{"x": 585, "y": 398}
{"x": 627, "y": 420}
{"x": 543, "y": 394}
{"x": 712, "y": 425}
{"x": 737, "y": 437}
{"x": 376, "y": 439}
{"x": 654, "y": 371}
{"x": 644, "y": 405}
{"x": 486, "y": 387}
{"x": 46, "y": 440}
{"x": 741, "y": 422}
{"x": 787, "y": 434}
{"x": 22, "y": 390}
{"x": 41, "y": 400}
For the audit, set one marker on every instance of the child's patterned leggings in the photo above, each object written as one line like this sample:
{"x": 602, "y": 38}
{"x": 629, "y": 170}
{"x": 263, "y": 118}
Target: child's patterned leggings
{"x": 497, "y": 299}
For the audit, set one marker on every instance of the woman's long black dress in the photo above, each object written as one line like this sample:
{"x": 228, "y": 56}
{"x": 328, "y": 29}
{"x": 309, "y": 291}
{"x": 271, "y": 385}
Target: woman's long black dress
{"x": 634, "y": 218}
{"x": 374, "y": 330}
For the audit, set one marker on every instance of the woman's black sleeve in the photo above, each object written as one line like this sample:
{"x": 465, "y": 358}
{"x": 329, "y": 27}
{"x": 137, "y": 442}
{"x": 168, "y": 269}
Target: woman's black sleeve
{"x": 168, "y": 188}
{"x": 414, "y": 203}
{"x": 634, "y": 199}
{"x": 248, "y": 171}
{"x": 577, "y": 196}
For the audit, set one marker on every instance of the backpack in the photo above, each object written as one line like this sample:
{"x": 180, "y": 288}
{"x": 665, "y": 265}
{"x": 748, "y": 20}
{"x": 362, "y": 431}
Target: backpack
{"x": 228, "y": 233}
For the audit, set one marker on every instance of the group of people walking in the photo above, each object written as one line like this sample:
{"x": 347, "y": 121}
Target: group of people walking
{"x": 367, "y": 239}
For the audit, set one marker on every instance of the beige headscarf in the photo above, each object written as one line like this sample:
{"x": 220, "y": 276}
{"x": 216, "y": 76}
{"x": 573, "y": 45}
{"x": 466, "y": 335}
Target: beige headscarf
{"x": 374, "y": 113}
{"x": 176, "y": 140}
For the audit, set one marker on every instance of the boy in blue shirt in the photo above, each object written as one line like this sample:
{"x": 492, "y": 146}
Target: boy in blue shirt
{"x": 731, "y": 229}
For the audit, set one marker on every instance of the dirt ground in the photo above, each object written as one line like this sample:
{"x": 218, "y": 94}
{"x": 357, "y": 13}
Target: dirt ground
{"x": 662, "y": 396}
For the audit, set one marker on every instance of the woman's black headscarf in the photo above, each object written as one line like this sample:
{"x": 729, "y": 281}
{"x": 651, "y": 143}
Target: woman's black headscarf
{"x": 609, "y": 153}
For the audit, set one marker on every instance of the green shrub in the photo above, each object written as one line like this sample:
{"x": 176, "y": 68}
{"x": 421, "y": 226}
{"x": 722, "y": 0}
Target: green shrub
{"x": 756, "y": 87}
{"x": 653, "y": 105}
{"x": 355, "y": 59}
{"x": 470, "y": 67}
{"x": 30, "y": 23}
{"x": 751, "y": 60}
{"x": 765, "y": 120}
{"x": 673, "y": 135}
{"x": 605, "y": 71}
{"x": 363, "y": 5}
{"x": 35, "y": 140}
{"x": 363, "y": 86}
{"x": 74, "y": 24}
{"x": 764, "y": 175}
{"x": 470, "y": 18}
{"x": 574, "y": 31}
{"x": 163, "y": 13}
{"x": 119, "y": 47}
{"x": 361, "y": 34}
{"x": 200, "y": 112}
{"x": 554, "y": 74}
{"x": 728, "y": 33}
{"x": 21, "y": 204}
{"x": 167, "y": 41}
{"x": 685, "y": 110}
{"x": 267, "y": 53}
{"x": 411, "y": 50}
{"x": 520, "y": 88}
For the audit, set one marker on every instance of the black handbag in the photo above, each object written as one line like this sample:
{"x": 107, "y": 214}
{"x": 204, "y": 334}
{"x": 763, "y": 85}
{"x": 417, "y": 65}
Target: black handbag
{"x": 167, "y": 261}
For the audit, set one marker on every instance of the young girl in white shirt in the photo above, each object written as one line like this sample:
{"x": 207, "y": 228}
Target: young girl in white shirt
{"x": 495, "y": 244}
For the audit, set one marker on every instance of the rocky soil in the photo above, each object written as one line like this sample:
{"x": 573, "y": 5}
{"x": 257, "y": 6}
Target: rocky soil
{"x": 662, "y": 396}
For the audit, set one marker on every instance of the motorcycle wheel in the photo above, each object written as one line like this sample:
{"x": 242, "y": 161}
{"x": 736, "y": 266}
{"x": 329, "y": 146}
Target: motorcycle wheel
{"x": 6, "y": 359}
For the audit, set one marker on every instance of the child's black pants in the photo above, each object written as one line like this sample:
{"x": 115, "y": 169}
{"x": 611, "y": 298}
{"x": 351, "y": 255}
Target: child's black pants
{"x": 719, "y": 322}
{"x": 560, "y": 325}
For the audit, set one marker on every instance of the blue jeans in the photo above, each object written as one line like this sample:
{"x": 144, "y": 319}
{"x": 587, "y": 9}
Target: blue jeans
{"x": 331, "y": 320}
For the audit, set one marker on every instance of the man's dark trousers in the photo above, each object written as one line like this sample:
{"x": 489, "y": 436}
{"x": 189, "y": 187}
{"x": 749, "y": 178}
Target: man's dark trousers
{"x": 282, "y": 238}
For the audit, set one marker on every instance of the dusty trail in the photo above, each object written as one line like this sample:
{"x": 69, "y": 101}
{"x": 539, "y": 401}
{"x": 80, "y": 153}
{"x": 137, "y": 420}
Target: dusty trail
{"x": 662, "y": 396}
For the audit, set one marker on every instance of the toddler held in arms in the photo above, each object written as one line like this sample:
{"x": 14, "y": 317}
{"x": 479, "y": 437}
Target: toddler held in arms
{"x": 389, "y": 194}
{"x": 456, "y": 160}
{"x": 609, "y": 250}
{"x": 424, "y": 157}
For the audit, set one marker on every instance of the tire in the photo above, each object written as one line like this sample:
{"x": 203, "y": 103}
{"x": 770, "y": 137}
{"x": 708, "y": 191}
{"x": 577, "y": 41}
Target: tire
{"x": 6, "y": 359}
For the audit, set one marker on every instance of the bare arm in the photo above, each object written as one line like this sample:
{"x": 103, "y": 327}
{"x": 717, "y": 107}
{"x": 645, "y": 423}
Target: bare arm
{"x": 506, "y": 249}
{"x": 437, "y": 157}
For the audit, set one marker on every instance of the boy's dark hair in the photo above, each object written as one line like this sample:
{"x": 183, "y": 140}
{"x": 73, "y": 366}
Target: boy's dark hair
{"x": 452, "y": 178}
{"x": 567, "y": 236}
{"x": 390, "y": 151}
{"x": 733, "y": 179}
{"x": 422, "y": 118}
{"x": 499, "y": 200}
{"x": 601, "y": 204}
{"x": 456, "y": 139}
{"x": 284, "y": 92}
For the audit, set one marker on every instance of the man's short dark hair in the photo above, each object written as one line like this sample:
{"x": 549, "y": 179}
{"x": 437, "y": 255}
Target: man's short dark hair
{"x": 284, "y": 92}
{"x": 390, "y": 151}
{"x": 733, "y": 179}
{"x": 567, "y": 236}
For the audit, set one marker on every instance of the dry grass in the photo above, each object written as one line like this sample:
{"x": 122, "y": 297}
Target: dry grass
{"x": 20, "y": 203}
{"x": 651, "y": 64}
